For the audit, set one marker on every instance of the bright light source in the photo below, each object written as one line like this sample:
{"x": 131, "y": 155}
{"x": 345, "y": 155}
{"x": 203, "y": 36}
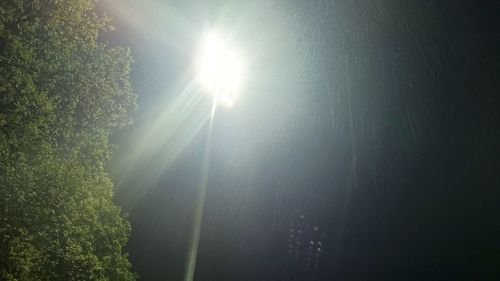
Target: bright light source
{"x": 227, "y": 100}
{"x": 219, "y": 69}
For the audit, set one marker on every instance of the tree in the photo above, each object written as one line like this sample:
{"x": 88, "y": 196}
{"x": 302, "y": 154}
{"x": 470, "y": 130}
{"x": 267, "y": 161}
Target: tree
{"x": 62, "y": 93}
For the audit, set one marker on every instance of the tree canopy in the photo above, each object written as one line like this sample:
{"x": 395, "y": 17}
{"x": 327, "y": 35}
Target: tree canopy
{"x": 62, "y": 93}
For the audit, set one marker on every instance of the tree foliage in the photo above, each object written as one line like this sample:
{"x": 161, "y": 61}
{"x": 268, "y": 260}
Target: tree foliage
{"x": 62, "y": 92}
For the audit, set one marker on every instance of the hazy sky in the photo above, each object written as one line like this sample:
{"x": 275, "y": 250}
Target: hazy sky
{"x": 377, "y": 118}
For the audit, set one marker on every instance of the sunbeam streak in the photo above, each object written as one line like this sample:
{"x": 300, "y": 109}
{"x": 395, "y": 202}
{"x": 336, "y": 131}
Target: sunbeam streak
{"x": 165, "y": 132}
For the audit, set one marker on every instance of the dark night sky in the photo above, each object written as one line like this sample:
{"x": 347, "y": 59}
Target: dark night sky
{"x": 378, "y": 119}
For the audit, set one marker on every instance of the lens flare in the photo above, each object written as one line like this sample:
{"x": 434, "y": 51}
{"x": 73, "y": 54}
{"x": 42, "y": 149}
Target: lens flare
{"x": 219, "y": 69}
